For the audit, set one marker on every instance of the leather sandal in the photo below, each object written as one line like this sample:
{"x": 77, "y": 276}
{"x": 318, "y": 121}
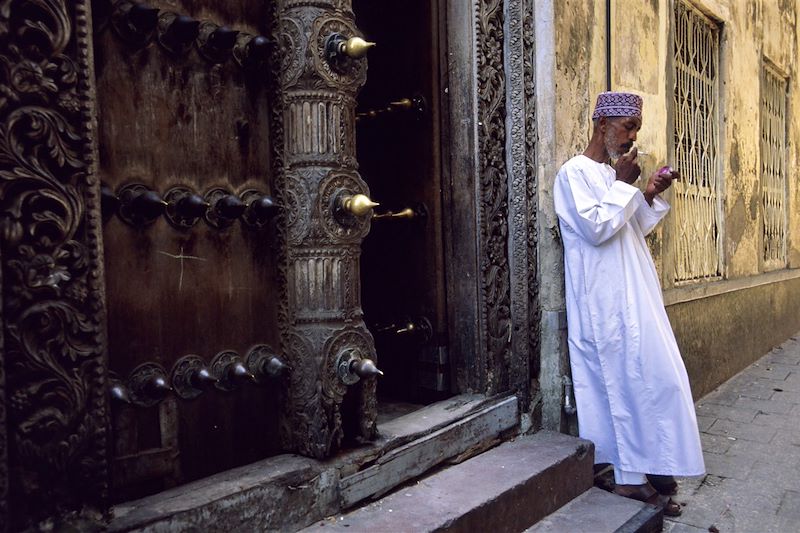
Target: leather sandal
{"x": 665, "y": 485}
{"x": 647, "y": 494}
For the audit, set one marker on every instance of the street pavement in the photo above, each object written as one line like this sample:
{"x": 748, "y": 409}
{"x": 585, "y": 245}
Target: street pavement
{"x": 750, "y": 429}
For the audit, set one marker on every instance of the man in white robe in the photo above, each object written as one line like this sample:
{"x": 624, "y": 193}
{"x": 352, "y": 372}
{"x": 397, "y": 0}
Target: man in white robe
{"x": 631, "y": 387}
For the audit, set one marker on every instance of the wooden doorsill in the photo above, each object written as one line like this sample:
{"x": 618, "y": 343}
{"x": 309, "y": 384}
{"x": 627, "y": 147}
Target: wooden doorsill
{"x": 288, "y": 492}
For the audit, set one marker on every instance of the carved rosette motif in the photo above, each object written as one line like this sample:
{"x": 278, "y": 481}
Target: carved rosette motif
{"x": 296, "y": 197}
{"x": 494, "y": 223}
{"x": 53, "y": 349}
{"x": 352, "y": 229}
{"x": 349, "y": 74}
{"x": 359, "y": 339}
{"x": 320, "y": 258}
{"x": 290, "y": 37}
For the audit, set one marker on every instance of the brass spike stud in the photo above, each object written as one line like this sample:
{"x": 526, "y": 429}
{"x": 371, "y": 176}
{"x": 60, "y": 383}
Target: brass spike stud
{"x": 405, "y": 104}
{"x": 365, "y": 368}
{"x": 355, "y": 47}
{"x": 407, "y": 213}
{"x": 358, "y": 204}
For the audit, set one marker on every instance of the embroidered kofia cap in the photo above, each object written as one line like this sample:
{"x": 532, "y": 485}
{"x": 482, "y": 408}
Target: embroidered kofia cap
{"x": 613, "y": 104}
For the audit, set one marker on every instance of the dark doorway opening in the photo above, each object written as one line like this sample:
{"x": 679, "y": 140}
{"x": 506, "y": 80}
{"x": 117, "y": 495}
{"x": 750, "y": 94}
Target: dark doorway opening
{"x": 398, "y": 146}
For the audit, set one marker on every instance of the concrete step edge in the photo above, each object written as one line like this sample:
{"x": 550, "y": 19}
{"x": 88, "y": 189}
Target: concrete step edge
{"x": 600, "y": 511}
{"x": 501, "y": 490}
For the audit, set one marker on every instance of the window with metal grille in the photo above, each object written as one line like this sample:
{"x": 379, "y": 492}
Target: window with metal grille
{"x": 773, "y": 166}
{"x": 696, "y": 137}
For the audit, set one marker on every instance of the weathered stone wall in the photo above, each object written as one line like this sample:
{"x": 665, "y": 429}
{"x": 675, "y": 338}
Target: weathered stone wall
{"x": 720, "y": 335}
{"x": 751, "y": 309}
{"x": 580, "y": 71}
{"x": 569, "y": 44}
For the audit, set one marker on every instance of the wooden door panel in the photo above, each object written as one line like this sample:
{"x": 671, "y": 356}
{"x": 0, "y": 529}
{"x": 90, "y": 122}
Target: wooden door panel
{"x": 169, "y": 120}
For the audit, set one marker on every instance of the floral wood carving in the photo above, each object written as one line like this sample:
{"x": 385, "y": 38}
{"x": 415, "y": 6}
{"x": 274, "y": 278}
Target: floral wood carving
{"x": 492, "y": 169}
{"x": 520, "y": 157}
{"x": 534, "y": 312}
{"x": 53, "y": 315}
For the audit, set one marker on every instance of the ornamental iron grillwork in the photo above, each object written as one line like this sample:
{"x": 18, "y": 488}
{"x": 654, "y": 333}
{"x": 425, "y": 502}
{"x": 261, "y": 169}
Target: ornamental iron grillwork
{"x": 773, "y": 166}
{"x": 696, "y": 135}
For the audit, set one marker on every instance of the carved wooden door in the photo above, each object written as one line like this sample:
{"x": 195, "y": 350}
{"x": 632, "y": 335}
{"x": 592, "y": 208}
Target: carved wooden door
{"x": 189, "y": 237}
{"x": 207, "y": 130}
{"x": 398, "y": 134}
{"x": 217, "y": 295}
{"x": 210, "y": 314}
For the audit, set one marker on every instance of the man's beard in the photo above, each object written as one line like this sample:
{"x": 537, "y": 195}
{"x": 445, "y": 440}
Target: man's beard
{"x": 612, "y": 149}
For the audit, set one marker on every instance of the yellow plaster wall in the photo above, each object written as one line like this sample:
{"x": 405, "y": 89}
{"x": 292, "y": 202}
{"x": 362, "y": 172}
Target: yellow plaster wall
{"x": 641, "y": 63}
{"x": 741, "y": 67}
{"x": 580, "y": 71}
{"x": 639, "y": 52}
{"x": 794, "y": 155}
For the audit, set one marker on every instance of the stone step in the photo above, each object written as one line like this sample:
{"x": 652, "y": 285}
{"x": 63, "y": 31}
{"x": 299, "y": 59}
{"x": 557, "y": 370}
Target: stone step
{"x": 505, "y": 489}
{"x": 599, "y": 511}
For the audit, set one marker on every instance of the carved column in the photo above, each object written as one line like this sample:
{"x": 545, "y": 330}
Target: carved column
{"x": 54, "y": 413}
{"x": 321, "y": 311}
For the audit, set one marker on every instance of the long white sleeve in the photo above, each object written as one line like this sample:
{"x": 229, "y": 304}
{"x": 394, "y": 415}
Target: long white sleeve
{"x": 591, "y": 209}
{"x": 649, "y": 216}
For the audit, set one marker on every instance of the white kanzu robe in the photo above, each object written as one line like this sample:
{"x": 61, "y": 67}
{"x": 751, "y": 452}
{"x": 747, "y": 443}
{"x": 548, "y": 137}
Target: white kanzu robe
{"x": 631, "y": 387}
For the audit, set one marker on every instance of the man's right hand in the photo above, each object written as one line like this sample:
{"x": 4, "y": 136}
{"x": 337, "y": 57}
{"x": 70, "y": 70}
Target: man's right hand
{"x": 627, "y": 167}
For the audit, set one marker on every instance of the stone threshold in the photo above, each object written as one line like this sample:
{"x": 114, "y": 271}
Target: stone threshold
{"x": 288, "y": 492}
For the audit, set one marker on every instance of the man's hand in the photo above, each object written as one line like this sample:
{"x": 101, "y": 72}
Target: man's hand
{"x": 658, "y": 183}
{"x": 627, "y": 167}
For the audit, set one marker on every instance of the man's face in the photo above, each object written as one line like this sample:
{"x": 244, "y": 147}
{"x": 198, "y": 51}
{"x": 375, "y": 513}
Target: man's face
{"x": 619, "y": 134}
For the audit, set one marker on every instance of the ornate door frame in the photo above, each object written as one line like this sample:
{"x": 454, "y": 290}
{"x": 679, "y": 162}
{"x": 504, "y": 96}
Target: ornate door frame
{"x": 53, "y": 363}
{"x": 54, "y": 413}
{"x": 492, "y": 273}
